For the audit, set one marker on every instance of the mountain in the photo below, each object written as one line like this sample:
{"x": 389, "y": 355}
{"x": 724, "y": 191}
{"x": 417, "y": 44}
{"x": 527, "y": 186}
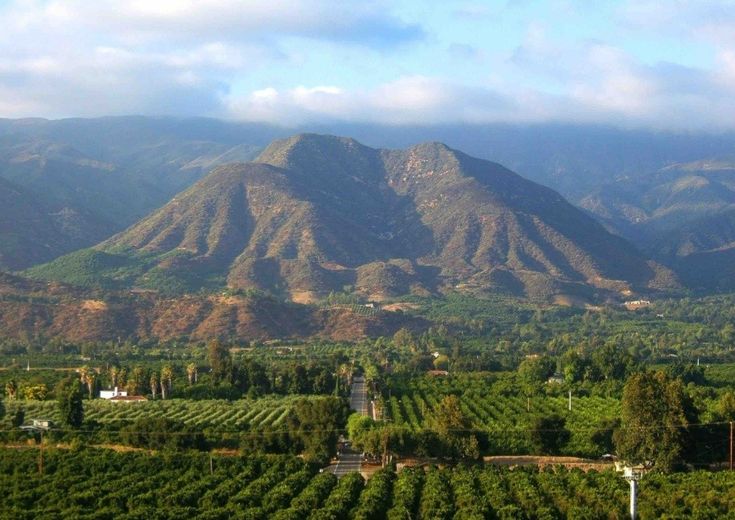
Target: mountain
{"x": 88, "y": 179}
{"x": 315, "y": 214}
{"x": 703, "y": 251}
{"x": 683, "y": 215}
{"x": 102, "y": 175}
{"x": 656, "y": 204}
{"x": 34, "y": 231}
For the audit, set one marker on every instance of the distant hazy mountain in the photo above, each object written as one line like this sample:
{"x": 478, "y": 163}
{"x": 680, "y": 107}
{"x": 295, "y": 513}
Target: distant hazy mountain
{"x": 316, "y": 214}
{"x": 33, "y": 230}
{"x": 87, "y": 179}
{"x": 683, "y": 215}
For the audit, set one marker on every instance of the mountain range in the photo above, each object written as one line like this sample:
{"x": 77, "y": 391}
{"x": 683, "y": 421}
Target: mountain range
{"x": 315, "y": 214}
{"x": 70, "y": 184}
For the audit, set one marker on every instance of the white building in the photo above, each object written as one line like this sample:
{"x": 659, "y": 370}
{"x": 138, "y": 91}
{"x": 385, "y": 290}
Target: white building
{"x": 109, "y": 394}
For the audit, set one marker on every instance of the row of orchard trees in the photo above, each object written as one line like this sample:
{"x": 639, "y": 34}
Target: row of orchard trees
{"x": 661, "y": 424}
{"x": 450, "y": 434}
{"x": 93, "y": 483}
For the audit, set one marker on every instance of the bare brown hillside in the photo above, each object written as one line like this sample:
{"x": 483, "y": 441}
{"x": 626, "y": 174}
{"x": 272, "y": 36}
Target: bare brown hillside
{"x": 31, "y": 310}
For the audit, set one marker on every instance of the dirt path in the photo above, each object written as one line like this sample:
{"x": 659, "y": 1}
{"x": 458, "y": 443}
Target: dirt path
{"x": 542, "y": 461}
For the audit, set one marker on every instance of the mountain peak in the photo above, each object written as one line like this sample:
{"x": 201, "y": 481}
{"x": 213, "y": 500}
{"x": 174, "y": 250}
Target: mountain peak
{"x": 301, "y": 146}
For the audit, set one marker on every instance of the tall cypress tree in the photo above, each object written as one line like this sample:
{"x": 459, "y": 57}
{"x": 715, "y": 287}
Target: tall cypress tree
{"x": 71, "y": 408}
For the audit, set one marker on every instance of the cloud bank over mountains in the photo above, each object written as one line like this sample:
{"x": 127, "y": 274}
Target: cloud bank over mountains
{"x": 663, "y": 65}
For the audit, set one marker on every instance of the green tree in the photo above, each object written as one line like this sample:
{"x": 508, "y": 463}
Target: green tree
{"x": 191, "y": 373}
{"x": 533, "y": 373}
{"x": 71, "y": 407}
{"x": 167, "y": 376}
{"x": 725, "y": 407}
{"x": 18, "y": 418}
{"x": 454, "y": 429}
{"x": 154, "y": 384}
{"x": 37, "y": 392}
{"x": 549, "y": 434}
{"x": 137, "y": 381}
{"x": 317, "y": 423}
{"x": 90, "y": 379}
{"x": 654, "y": 420}
{"x": 441, "y": 362}
{"x": 162, "y": 433}
{"x": 403, "y": 338}
{"x": 358, "y": 424}
{"x": 114, "y": 372}
{"x": 220, "y": 361}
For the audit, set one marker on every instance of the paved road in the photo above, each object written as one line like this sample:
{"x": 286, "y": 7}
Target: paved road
{"x": 358, "y": 396}
{"x": 348, "y": 462}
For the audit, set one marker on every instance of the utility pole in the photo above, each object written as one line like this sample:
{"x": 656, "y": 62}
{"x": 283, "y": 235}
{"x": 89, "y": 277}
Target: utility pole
{"x": 40, "y": 456}
{"x": 633, "y": 475}
{"x": 384, "y": 458}
{"x": 731, "y": 443}
{"x": 570, "y": 400}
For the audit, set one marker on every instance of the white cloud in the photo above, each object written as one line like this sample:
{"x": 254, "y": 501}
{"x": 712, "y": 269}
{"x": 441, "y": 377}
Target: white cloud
{"x": 407, "y": 100}
{"x": 708, "y": 20}
{"x": 83, "y": 58}
{"x": 187, "y": 57}
{"x": 235, "y": 20}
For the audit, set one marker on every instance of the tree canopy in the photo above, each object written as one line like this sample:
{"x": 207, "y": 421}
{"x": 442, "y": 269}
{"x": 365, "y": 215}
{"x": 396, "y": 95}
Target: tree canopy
{"x": 654, "y": 419}
{"x": 70, "y": 403}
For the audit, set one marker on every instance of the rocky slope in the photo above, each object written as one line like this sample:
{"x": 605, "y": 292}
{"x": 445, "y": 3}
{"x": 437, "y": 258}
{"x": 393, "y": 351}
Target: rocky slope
{"x": 316, "y": 214}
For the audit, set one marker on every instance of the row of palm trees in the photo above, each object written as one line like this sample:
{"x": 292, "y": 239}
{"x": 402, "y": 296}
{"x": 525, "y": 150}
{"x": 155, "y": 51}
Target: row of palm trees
{"x": 158, "y": 382}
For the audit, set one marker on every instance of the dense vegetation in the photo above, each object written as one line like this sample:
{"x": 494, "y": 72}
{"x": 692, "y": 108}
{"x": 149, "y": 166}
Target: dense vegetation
{"x": 101, "y": 484}
{"x": 487, "y": 378}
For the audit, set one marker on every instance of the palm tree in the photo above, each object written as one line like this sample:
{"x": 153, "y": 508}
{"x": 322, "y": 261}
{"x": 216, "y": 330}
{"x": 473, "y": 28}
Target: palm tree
{"x": 11, "y": 389}
{"x": 154, "y": 384}
{"x": 136, "y": 383}
{"x": 89, "y": 380}
{"x": 122, "y": 376}
{"x": 191, "y": 371}
{"x": 83, "y": 372}
{"x": 113, "y": 375}
{"x": 167, "y": 375}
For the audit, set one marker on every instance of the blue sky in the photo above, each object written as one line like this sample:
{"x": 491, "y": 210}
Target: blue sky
{"x": 667, "y": 64}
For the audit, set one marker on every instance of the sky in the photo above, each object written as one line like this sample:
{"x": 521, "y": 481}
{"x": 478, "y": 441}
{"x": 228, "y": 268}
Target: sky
{"x": 666, "y": 64}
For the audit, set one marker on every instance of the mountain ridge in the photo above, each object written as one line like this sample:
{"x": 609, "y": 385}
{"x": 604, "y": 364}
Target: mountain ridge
{"x": 315, "y": 214}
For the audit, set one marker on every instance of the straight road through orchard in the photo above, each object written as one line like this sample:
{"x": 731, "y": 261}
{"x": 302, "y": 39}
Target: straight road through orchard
{"x": 349, "y": 460}
{"x": 358, "y": 396}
